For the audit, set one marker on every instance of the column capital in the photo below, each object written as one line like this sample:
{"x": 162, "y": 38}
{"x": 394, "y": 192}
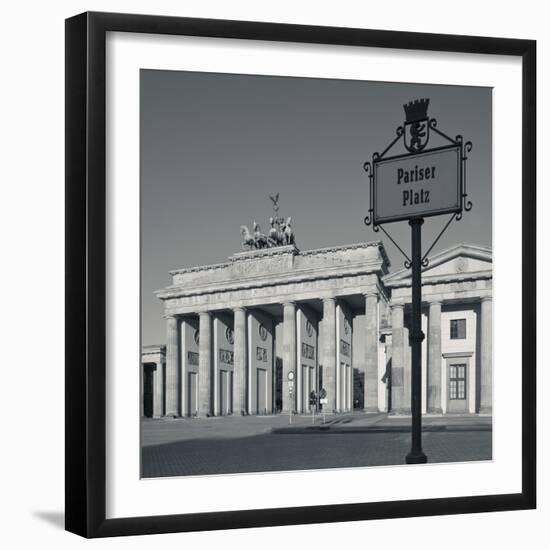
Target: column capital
{"x": 486, "y": 299}
{"x": 329, "y": 299}
{"x": 397, "y": 306}
{"x": 238, "y": 308}
{"x": 435, "y": 303}
{"x": 371, "y": 294}
{"x": 289, "y": 304}
{"x": 170, "y": 317}
{"x": 205, "y": 313}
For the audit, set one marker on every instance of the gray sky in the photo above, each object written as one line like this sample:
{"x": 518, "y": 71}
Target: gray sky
{"x": 215, "y": 146}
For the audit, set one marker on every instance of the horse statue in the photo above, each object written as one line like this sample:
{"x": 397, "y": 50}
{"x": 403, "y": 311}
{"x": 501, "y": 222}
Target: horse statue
{"x": 260, "y": 239}
{"x": 276, "y": 235}
{"x": 288, "y": 232}
{"x": 248, "y": 239}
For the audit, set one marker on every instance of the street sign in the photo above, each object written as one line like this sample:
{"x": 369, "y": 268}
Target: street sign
{"x": 412, "y": 186}
{"x": 417, "y": 185}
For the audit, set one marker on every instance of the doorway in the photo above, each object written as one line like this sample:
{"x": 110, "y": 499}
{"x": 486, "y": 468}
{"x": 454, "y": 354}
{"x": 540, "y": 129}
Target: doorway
{"x": 148, "y": 389}
{"x": 457, "y": 395}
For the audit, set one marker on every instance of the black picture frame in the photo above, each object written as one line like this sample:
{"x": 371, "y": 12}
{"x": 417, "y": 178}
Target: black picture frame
{"x": 86, "y": 275}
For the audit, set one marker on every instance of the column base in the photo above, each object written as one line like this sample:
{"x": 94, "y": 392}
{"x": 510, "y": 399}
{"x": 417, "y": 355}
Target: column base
{"x": 435, "y": 410}
{"x": 416, "y": 457}
{"x": 370, "y": 410}
{"x": 486, "y": 410}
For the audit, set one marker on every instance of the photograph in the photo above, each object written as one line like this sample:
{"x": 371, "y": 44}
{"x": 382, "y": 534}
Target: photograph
{"x": 291, "y": 260}
{"x": 278, "y": 326}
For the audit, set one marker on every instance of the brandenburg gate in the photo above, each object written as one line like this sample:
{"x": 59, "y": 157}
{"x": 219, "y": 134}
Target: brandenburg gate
{"x": 258, "y": 333}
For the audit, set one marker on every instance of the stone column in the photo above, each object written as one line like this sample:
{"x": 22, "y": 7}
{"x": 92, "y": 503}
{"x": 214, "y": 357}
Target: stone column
{"x": 398, "y": 394}
{"x": 157, "y": 403}
{"x": 387, "y": 374}
{"x": 240, "y": 401}
{"x": 486, "y": 400}
{"x": 371, "y": 352}
{"x": 289, "y": 355}
{"x": 328, "y": 353}
{"x": 172, "y": 367}
{"x": 205, "y": 364}
{"x": 434, "y": 358}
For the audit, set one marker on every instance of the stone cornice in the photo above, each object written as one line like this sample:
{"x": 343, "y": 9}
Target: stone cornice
{"x": 264, "y": 252}
{"x": 282, "y": 250}
{"x": 442, "y": 279}
{"x": 354, "y": 246}
{"x": 314, "y": 274}
{"x": 199, "y": 268}
{"x": 153, "y": 350}
{"x": 457, "y": 354}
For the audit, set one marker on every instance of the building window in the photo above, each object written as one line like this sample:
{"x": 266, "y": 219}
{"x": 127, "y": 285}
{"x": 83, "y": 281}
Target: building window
{"x": 457, "y": 382}
{"x": 458, "y": 329}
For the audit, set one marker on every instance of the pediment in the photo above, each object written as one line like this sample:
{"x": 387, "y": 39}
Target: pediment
{"x": 457, "y": 261}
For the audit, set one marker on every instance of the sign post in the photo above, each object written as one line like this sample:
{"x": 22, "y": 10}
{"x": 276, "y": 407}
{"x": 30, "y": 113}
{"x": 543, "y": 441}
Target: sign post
{"x": 411, "y": 186}
{"x": 323, "y": 401}
{"x": 290, "y": 377}
{"x": 312, "y": 404}
{"x": 416, "y": 455}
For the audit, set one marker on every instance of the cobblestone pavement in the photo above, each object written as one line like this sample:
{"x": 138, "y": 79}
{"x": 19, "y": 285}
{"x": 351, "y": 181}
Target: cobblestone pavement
{"x": 181, "y": 447}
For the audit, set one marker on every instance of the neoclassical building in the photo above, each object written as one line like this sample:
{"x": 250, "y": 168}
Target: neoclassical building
{"x": 259, "y": 332}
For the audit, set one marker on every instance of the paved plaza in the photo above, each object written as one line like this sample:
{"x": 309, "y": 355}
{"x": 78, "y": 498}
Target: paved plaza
{"x": 231, "y": 444}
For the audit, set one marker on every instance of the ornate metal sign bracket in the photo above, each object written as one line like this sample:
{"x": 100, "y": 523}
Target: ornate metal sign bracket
{"x": 415, "y": 133}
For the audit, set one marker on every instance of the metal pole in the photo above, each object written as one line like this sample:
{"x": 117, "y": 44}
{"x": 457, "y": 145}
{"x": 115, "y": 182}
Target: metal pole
{"x": 416, "y": 455}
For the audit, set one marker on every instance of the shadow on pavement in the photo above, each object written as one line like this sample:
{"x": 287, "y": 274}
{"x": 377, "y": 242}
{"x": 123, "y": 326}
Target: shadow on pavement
{"x": 286, "y": 452}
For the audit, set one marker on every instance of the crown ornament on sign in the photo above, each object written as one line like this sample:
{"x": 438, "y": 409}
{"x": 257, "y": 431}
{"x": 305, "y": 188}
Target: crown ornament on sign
{"x": 416, "y": 110}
